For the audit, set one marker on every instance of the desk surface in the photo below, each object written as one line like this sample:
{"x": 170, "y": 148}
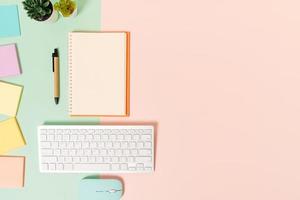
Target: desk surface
{"x": 35, "y": 47}
{"x": 221, "y": 78}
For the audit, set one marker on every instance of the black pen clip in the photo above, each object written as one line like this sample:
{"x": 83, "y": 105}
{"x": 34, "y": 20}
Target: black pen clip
{"x": 54, "y": 54}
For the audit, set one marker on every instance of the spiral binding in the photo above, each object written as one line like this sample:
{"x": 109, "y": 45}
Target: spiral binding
{"x": 70, "y": 74}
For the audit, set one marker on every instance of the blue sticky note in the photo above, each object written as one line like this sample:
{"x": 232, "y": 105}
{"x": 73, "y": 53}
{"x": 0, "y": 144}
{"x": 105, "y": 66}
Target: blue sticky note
{"x": 9, "y": 21}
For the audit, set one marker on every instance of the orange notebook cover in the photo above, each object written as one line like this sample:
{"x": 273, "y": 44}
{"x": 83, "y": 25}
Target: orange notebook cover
{"x": 99, "y": 73}
{"x": 12, "y": 171}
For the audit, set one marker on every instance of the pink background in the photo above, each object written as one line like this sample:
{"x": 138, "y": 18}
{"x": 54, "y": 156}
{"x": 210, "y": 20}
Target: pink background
{"x": 221, "y": 80}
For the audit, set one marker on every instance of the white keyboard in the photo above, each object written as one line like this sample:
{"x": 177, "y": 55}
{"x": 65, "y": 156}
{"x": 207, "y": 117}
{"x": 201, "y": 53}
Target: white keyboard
{"x": 96, "y": 149}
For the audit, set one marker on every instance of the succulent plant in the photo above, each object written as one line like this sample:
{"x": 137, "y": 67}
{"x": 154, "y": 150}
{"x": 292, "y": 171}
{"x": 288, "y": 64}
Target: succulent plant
{"x": 65, "y": 7}
{"x": 39, "y": 10}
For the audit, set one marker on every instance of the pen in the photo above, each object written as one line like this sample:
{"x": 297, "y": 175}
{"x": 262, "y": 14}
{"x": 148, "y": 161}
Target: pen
{"x": 55, "y": 65}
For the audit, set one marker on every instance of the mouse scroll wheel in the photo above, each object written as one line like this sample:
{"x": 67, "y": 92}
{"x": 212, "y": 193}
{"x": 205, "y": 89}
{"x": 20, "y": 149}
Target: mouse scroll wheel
{"x": 113, "y": 191}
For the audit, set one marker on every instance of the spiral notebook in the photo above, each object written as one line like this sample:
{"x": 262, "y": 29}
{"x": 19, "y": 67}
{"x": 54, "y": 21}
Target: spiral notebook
{"x": 99, "y": 74}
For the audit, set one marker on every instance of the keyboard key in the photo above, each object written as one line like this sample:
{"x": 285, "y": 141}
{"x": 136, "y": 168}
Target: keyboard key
{"x": 62, "y": 145}
{"x": 47, "y": 152}
{"x": 49, "y": 159}
{"x": 145, "y": 152}
{"x": 136, "y": 137}
{"x": 118, "y": 152}
{"x": 54, "y": 145}
{"x": 131, "y": 159}
{"x": 132, "y": 145}
{"x": 106, "y": 159}
{"x": 72, "y": 152}
{"x": 97, "y": 137}
{"x": 60, "y": 159}
{"x": 87, "y": 152}
{"x": 124, "y": 166}
{"x": 115, "y": 167}
{"x": 140, "y": 145}
{"x": 77, "y": 145}
{"x": 59, "y": 166}
{"x": 109, "y": 145}
{"x": 113, "y": 137}
{"x": 73, "y": 137}
{"x": 126, "y": 152}
{"x": 101, "y": 144}
{"x": 141, "y": 165}
{"x": 103, "y": 152}
{"x": 99, "y": 159}
{"x": 58, "y": 137}
{"x": 89, "y": 137}
{"x": 91, "y": 131}
{"x": 115, "y": 159}
{"x": 43, "y": 137}
{"x": 76, "y": 159}
{"x": 132, "y": 168}
{"x": 91, "y": 159}
{"x": 81, "y": 137}
{"x": 120, "y": 137}
{"x": 92, "y": 167}
{"x": 134, "y": 152}
{"x": 143, "y": 159}
{"x": 128, "y": 137}
{"x": 83, "y": 159}
{"x": 123, "y": 159}
{"x": 50, "y": 137}
{"x": 117, "y": 145}
{"x": 66, "y": 137}
{"x": 80, "y": 152}
{"x": 148, "y": 145}
{"x": 68, "y": 160}
{"x": 93, "y": 145}
{"x": 146, "y": 137}
{"x": 124, "y": 145}
{"x": 64, "y": 152}
{"x": 57, "y": 152}
{"x": 111, "y": 152}
{"x": 45, "y": 144}
{"x": 70, "y": 145}
{"x": 44, "y": 166}
{"x": 95, "y": 152}
{"x": 68, "y": 167}
{"x": 85, "y": 145}
{"x": 104, "y": 137}
{"x": 148, "y": 168}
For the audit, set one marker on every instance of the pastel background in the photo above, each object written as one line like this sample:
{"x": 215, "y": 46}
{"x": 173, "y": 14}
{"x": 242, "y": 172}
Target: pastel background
{"x": 221, "y": 80}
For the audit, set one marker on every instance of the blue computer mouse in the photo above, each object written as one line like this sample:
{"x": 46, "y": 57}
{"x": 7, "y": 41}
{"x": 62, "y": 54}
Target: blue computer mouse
{"x": 100, "y": 189}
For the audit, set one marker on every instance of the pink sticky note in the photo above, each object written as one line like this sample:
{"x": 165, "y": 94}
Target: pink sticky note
{"x": 9, "y": 61}
{"x": 12, "y": 171}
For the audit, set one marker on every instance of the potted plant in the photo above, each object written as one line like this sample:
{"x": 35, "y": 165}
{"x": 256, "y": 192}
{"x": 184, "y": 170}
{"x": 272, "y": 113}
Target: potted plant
{"x": 40, "y": 10}
{"x": 67, "y": 8}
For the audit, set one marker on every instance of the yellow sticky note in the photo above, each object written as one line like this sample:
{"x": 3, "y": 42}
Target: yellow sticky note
{"x": 9, "y": 98}
{"x": 11, "y": 136}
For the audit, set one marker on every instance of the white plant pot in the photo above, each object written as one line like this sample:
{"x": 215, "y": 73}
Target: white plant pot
{"x": 53, "y": 18}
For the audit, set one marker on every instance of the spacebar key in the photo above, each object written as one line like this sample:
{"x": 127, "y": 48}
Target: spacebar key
{"x": 91, "y": 167}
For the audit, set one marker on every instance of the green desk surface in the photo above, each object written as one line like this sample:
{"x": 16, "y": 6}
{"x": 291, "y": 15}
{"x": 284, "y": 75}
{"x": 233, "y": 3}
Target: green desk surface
{"x": 35, "y": 47}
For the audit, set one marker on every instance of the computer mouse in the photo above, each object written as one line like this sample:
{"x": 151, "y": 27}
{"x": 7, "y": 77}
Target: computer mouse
{"x": 97, "y": 189}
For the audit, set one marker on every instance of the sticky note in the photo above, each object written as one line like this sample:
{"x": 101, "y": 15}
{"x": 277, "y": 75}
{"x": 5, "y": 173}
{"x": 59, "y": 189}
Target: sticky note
{"x": 11, "y": 136}
{"x": 10, "y": 95}
{"x": 9, "y": 61}
{"x": 12, "y": 171}
{"x": 9, "y": 21}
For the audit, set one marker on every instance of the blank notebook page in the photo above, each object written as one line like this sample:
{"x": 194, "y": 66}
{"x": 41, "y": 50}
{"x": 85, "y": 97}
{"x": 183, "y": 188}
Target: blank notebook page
{"x": 98, "y": 73}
